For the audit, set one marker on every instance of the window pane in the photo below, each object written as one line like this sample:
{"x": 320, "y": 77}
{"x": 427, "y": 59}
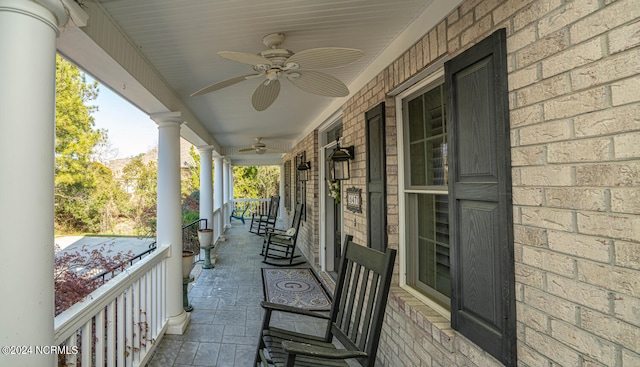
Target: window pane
{"x": 435, "y": 162}
{"x": 427, "y": 139}
{"x": 418, "y": 164}
{"x": 433, "y": 242}
{"x": 416, "y": 119}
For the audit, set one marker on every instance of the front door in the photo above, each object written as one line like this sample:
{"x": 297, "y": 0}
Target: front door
{"x": 376, "y": 179}
{"x": 333, "y": 229}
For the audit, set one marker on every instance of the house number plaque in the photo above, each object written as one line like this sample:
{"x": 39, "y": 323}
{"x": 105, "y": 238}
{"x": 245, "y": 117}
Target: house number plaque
{"x": 354, "y": 199}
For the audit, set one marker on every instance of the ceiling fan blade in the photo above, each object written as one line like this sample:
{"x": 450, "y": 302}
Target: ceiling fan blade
{"x": 325, "y": 57}
{"x": 318, "y": 83}
{"x": 245, "y": 149}
{"x": 244, "y": 58}
{"x": 265, "y": 94}
{"x": 223, "y": 84}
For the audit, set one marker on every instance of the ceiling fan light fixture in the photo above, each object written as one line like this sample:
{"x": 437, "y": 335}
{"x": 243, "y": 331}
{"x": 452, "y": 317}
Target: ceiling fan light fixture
{"x": 292, "y": 66}
{"x": 261, "y": 67}
{"x": 293, "y": 76}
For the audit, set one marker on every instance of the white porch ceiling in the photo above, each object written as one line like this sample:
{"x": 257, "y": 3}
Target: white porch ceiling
{"x": 179, "y": 41}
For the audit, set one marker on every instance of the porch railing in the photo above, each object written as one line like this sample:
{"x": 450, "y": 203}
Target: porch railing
{"x": 257, "y": 206}
{"x": 190, "y": 237}
{"x": 217, "y": 230}
{"x": 120, "y": 321}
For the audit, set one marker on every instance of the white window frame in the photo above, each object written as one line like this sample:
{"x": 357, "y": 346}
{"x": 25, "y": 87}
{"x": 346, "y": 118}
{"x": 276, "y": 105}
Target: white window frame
{"x": 402, "y": 192}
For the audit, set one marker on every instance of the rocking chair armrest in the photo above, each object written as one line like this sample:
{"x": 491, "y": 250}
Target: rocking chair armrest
{"x": 275, "y": 230}
{"x": 298, "y": 348}
{"x": 278, "y": 236}
{"x": 289, "y": 309}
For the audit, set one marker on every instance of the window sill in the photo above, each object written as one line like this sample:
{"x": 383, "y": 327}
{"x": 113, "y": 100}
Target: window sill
{"x": 425, "y": 318}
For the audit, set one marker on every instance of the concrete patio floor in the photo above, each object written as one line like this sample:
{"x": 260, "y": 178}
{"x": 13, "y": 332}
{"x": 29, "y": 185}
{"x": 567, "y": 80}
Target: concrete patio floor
{"x": 226, "y": 319}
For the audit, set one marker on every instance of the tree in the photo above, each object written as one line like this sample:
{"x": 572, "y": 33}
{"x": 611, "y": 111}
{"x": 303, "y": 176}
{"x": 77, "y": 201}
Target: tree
{"x": 191, "y": 174}
{"x": 72, "y": 282}
{"x": 77, "y": 173}
{"x": 256, "y": 182}
{"x": 141, "y": 182}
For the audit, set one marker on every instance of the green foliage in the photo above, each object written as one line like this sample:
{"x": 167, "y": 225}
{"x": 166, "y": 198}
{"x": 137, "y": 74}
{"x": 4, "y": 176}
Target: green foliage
{"x": 191, "y": 207}
{"x": 191, "y": 175}
{"x": 256, "y": 182}
{"x": 87, "y": 198}
{"x": 141, "y": 181}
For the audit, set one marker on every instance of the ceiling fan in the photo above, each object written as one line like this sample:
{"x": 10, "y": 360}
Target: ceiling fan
{"x": 299, "y": 68}
{"x": 259, "y": 147}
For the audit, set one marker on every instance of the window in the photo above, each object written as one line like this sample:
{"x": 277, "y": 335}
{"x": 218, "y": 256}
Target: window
{"x": 458, "y": 222}
{"x": 427, "y": 194}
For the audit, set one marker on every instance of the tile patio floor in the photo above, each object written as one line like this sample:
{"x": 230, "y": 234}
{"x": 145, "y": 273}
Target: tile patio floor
{"x": 227, "y": 316}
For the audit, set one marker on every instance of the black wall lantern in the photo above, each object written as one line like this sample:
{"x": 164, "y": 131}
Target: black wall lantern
{"x": 303, "y": 169}
{"x": 339, "y": 167}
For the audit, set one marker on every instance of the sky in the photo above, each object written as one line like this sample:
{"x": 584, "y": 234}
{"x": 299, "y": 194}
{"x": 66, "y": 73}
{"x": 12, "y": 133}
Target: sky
{"x": 130, "y": 130}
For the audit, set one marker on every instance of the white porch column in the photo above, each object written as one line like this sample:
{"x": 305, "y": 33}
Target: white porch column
{"x": 206, "y": 185}
{"x": 231, "y": 194}
{"x": 169, "y": 220}
{"x": 227, "y": 222}
{"x": 218, "y": 193}
{"x": 28, "y": 33}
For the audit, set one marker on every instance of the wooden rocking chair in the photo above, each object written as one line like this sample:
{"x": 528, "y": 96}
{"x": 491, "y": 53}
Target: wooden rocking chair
{"x": 355, "y": 319}
{"x": 282, "y": 243}
{"x": 260, "y": 222}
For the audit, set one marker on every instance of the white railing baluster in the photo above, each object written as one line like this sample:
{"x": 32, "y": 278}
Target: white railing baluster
{"x": 163, "y": 289}
{"x": 157, "y": 314}
{"x": 216, "y": 225}
{"x": 148, "y": 299}
{"x": 136, "y": 310}
{"x": 111, "y": 334}
{"x": 99, "y": 339}
{"x": 122, "y": 348}
{"x": 72, "y": 341}
{"x": 87, "y": 343}
{"x": 128, "y": 325}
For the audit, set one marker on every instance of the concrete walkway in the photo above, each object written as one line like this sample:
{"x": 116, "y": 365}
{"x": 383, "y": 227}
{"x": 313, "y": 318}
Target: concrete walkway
{"x": 226, "y": 320}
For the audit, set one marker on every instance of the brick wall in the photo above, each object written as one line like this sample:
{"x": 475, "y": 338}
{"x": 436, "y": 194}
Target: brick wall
{"x": 307, "y": 241}
{"x": 574, "y": 96}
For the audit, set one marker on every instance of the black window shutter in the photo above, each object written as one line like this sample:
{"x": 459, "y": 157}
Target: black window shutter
{"x": 376, "y": 178}
{"x": 482, "y": 265}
